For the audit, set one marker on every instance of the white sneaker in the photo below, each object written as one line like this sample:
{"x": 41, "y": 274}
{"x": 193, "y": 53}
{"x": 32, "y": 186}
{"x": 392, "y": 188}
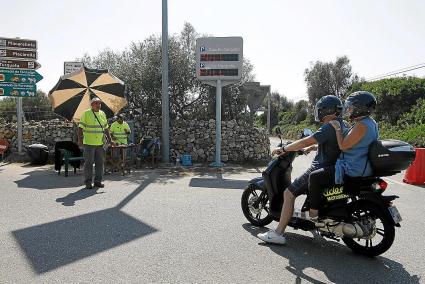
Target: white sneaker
{"x": 272, "y": 237}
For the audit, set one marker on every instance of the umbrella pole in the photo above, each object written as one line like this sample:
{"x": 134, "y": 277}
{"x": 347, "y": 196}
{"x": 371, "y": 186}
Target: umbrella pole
{"x": 74, "y": 132}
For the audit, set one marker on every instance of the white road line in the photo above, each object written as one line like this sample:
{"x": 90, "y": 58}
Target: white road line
{"x": 397, "y": 182}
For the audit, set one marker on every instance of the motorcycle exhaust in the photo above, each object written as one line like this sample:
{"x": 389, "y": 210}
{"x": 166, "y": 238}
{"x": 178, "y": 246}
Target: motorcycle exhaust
{"x": 342, "y": 229}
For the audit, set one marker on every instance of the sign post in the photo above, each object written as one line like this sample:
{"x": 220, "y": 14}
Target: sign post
{"x": 18, "y": 77}
{"x": 19, "y": 121}
{"x": 219, "y": 63}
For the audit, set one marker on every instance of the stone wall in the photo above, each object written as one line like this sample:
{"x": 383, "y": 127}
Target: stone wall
{"x": 240, "y": 142}
{"x": 45, "y": 132}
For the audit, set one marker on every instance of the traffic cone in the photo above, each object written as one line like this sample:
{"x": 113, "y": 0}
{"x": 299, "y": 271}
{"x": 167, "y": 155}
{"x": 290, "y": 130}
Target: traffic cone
{"x": 415, "y": 174}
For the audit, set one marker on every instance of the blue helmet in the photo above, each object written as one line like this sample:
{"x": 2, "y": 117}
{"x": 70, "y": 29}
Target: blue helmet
{"x": 359, "y": 104}
{"x": 327, "y": 105}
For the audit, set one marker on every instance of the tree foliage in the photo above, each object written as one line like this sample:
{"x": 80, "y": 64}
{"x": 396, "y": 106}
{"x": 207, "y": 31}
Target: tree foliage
{"x": 39, "y": 101}
{"x": 328, "y": 78}
{"x": 278, "y": 103}
{"x": 36, "y": 108}
{"x": 395, "y": 96}
{"x": 139, "y": 66}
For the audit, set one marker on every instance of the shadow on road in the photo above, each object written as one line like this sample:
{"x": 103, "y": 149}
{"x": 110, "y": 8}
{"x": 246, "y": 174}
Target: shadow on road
{"x": 335, "y": 260}
{"x": 58, "y": 243}
{"x": 71, "y": 198}
{"x": 51, "y": 245}
{"x": 218, "y": 182}
{"x": 43, "y": 179}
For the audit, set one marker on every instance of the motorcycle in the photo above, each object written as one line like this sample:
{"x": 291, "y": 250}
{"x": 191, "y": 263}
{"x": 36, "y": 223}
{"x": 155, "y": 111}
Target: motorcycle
{"x": 357, "y": 212}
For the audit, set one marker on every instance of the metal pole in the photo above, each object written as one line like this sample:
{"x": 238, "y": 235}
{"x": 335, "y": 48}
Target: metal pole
{"x": 268, "y": 113}
{"x": 19, "y": 120}
{"x": 165, "y": 96}
{"x": 218, "y": 162}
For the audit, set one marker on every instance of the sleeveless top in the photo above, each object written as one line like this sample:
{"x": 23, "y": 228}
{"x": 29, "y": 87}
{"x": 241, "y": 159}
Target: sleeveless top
{"x": 354, "y": 162}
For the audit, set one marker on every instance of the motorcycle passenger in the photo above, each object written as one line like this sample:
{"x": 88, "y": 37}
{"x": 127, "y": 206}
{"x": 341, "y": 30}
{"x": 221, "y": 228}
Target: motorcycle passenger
{"x": 353, "y": 161}
{"x": 327, "y": 109}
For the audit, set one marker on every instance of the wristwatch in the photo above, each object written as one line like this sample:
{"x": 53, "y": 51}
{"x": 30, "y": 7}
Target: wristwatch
{"x": 283, "y": 149}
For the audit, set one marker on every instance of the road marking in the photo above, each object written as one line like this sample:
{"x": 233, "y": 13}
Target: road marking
{"x": 394, "y": 181}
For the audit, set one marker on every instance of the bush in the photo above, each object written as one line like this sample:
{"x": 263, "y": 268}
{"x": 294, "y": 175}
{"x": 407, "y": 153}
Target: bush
{"x": 412, "y": 134}
{"x": 290, "y": 127}
{"x": 409, "y": 128}
{"x": 395, "y": 96}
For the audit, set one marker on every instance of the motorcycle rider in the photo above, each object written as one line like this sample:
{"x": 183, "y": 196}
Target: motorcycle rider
{"x": 328, "y": 108}
{"x": 353, "y": 161}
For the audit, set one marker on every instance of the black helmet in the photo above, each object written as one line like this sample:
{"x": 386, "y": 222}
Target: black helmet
{"x": 359, "y": 104}
{"x": 327, "y": 105}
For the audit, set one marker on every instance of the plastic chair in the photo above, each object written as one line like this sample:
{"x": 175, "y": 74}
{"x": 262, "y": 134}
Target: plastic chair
{"x": 67, "y": 153}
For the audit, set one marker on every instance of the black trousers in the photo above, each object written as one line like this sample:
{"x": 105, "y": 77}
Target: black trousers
{"x": 318, "y": 181}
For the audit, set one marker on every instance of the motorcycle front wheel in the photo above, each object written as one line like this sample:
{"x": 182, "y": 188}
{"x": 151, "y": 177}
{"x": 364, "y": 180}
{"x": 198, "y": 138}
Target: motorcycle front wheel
{"x": 256, "y": 206}
{"x": 382, "y": 230}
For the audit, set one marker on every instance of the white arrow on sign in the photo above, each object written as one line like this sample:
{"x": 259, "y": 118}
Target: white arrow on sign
{"x": 202, "y": 48}
{"x": 202, "y": 65}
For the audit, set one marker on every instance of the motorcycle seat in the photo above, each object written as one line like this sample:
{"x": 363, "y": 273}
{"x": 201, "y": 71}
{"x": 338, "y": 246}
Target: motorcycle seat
{"x": 348, "y": 179}
{"x": 353, "y": 185}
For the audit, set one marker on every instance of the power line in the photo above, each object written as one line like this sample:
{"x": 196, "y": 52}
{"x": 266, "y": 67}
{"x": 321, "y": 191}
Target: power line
{"x": 406, "y": 69}
{"x": 396, "y": 71}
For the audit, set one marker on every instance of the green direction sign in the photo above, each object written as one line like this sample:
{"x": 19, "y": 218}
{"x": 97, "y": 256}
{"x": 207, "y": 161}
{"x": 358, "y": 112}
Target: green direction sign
{"x": 17, "y": 90}
{"x": 19, "y": 76}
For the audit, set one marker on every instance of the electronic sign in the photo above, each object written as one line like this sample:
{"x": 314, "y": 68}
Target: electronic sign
{"x": 219, "y": 58}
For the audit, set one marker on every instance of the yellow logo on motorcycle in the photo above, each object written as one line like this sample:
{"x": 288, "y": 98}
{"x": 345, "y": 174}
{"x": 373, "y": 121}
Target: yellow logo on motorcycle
{"x": 334, "y": 193}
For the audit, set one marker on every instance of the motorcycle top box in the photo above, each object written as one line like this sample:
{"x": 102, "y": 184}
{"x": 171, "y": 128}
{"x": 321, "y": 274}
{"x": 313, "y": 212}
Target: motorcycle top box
{"x": 389, "y": 157}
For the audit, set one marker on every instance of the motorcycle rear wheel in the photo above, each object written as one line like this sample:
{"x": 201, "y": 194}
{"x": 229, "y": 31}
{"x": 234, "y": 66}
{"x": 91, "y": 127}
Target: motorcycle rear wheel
{"x": 256, "y": 215}
{"x": 384, "y": 234}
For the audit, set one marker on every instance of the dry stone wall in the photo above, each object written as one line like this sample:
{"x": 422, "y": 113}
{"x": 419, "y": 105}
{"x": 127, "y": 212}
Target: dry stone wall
{"x": 240, "y": 141}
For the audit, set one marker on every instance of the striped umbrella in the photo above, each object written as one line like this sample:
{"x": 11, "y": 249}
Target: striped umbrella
{"x": 72, "y": 94}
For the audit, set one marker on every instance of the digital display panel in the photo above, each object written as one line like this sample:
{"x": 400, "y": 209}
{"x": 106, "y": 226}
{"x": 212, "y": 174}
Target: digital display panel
{"x": 218, "y": 72}
{"x": 219, "y": 57}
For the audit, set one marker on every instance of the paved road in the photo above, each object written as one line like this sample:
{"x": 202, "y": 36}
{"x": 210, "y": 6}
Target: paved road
{"x": 173, "y": 225}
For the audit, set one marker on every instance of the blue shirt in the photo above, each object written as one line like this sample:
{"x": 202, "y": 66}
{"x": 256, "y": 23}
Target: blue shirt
{"x": 327, "y": 149}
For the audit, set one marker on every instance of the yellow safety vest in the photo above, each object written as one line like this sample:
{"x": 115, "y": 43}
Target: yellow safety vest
{"x": 118, "y": 130}
{"x": 92, "y": 130}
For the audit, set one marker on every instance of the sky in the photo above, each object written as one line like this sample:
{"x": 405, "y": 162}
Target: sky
{"x": 281, "y": 38}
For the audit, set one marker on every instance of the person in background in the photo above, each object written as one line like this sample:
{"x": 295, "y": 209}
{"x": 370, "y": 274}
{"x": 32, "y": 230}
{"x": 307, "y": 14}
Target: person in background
{"x": 120, "y": 130}
{"x": 92, "y": 129}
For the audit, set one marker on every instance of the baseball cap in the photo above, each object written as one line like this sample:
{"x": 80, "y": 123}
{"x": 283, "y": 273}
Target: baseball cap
{"x": 95, "y": 99}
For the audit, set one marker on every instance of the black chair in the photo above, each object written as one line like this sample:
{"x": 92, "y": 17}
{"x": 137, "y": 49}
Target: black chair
{"x": 67, "y": 153}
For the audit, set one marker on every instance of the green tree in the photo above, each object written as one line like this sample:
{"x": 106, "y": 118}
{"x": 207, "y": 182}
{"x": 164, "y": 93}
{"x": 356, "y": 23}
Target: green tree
{"x": 35, "y": 108}
{"x": 139, "y": 66}
{"x": 395, "y": 96}
{"x": 278, "y": 104}
{"x": 328, "y": 78}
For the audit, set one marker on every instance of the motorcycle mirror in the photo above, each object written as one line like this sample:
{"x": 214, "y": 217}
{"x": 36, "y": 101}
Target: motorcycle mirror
{"x": 307, "y": 132}
{"x": 277, "y": 130}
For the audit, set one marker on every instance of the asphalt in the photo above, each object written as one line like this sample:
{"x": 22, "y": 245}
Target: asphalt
{"x": 178, "y": 225}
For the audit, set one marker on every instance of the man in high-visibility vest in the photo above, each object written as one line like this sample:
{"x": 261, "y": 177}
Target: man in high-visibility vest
{"x": 92, "y": 129}
{"x": 120, "y": 130}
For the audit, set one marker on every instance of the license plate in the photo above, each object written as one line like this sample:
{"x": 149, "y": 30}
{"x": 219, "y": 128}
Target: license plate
{"x": 395, "y": 214}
